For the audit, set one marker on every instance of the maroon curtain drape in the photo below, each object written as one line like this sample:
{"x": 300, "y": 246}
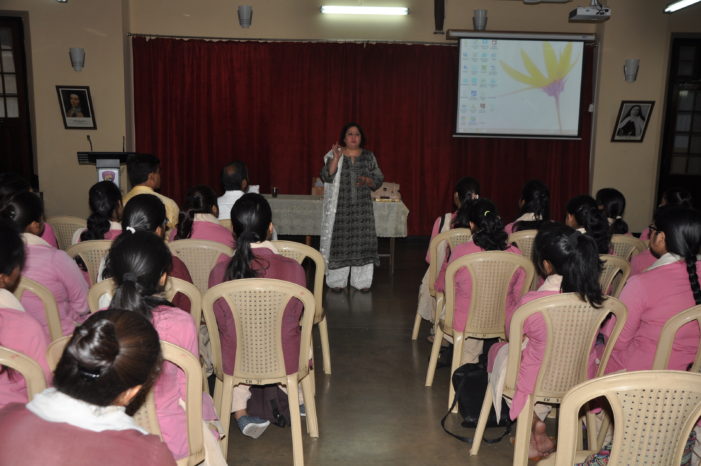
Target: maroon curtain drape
{"x": 279, "y": 107}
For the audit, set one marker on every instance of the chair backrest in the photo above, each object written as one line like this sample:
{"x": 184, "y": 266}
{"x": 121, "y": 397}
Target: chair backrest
{"x": 437, "y": 251}
{"x": 669, "y": 332}
{"x": 524, "y": 240}
{"x": 226, "y": 223}
{"x": 653, "y": 412}
{"x": 626, "y": 246}
{"x": 27, "y": 367}
{"x": 65, "y": 227}
{"x": 299, "y": 252}
{"x": 200, "y": 256}
{"x": 92, "y": 253}
{"x": 55, "y": 350}
{"x": 53, "y": 319}
{"x": 257, "y": 306}
{"x": 572, "y": 326}
{"x": 491, "y": 273}
{"x": 614, "y": 275}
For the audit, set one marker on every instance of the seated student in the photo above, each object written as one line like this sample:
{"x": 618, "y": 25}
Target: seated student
{"x": 613, "y": 203}
{"x": 144, "y": 172}
{"x": 570, "y": 262}
{"x": 534, "y": 207}
{"x": 234, "y": 177}
{"x": 255, "y": 257}
{"x": 105, "y": 202}
{"x": 47, "y": 265}
{"x": 11, "y": 184}
{"x": 668, "y": 287}
{"x": 104, "y": 374}
{"x": 18, "y": 330}
{"x": 198, "y": 220}
{"x": 487, "y": 235}
{"x": 584, "y": 216}
{"x": 140, "y": 263}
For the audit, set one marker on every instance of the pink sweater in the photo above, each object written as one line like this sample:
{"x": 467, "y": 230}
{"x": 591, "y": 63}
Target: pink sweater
{"x": 49, "y": 236}
{"x": 207, "y": 227}
{"x": 640, "y": 262}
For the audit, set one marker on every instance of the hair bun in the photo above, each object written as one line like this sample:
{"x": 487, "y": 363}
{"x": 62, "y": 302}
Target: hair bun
{"x": 94, "y": 349}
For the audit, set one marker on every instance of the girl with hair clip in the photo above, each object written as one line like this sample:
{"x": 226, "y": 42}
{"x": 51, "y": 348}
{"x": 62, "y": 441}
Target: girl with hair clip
{"x": 613, "y": 203}
{"x": 102, "y": 378}
{"x": 255, "y": 257}
{"x": 534, "y": 206}
{"x": 18, "y": 330}
{"x": 11, "y": 184}
{"x": 584, "y": 215}
{"x": 47, "y": 265}
{"x": 140, "y": 264}
{"x": 487, "y": 235}
{"x": 570, "y": 263}
{"x": 105, "y": 201}
{"x": 198, "y": 219}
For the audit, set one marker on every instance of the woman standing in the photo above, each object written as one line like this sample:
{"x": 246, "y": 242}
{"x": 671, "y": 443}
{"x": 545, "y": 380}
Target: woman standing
{"x": 348, "y": 235}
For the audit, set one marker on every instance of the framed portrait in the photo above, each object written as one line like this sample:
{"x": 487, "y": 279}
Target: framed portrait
{"x": 76, "y": 107}
{"x": 632, "y": 121}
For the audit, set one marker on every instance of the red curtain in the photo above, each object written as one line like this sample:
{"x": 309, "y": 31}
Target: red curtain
{"x": 279, "y": 107}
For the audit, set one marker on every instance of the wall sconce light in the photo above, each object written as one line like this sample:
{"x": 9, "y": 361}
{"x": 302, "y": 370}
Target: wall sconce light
{"x": 630, "y": 69}
{"x": 77, "y": 56}
{"x": 479, "y": 20}
{"x": 245, "y": 13}
{"x": 364, "y": 10}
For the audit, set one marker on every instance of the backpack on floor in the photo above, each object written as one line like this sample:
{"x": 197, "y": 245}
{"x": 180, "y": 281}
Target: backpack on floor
{"x": 270, "y": 403}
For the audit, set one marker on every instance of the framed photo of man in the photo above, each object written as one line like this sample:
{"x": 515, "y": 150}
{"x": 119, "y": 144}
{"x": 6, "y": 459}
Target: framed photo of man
{"x": 76, "y": 107}
{"x": 632, "y": 121}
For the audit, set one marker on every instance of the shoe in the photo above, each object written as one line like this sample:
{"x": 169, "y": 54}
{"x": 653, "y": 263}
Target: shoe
{"x": 302, "y": 410}
{"x": 252, "y": 426}
{"x": 365, "y": 290}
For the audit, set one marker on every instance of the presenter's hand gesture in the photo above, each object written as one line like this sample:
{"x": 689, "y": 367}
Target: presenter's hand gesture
{"x": 337, "y": 151}
{"x": 365, "y": 181}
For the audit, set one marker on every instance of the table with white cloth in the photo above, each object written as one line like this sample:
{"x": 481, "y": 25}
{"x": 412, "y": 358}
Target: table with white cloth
{"x": 298, "y": 214}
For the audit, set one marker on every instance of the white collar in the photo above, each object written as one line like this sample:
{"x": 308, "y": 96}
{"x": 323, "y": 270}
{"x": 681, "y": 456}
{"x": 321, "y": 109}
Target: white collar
{"x": 33, "y": 240}
{"x": 265, "y": 244}
{"x": 9, "y": 301}
{"x": 528, "y": 217}
{"x": 552, "y": 283}
{"x": 206, "y": 218}
{"x": 582, "y": 230}
{"x": 666, "y": 259}
{"x": 235, "y": 193}
{"x": 54, "y": 406}
{"x": 115, "y": 225}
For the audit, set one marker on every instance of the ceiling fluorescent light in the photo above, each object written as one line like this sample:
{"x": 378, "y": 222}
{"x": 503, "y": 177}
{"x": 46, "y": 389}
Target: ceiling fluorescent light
{"x": 678, "y": 5}
{"x": 364, "y": 10}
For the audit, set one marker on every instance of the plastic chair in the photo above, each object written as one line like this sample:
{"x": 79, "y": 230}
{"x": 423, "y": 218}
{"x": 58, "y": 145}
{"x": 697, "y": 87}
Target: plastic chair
{"x": 524, "y": 240}
{"x": 53, "y": 319}
{"x": 65, "y": 227}
{"x": 27, "y": 367}
{"x": 200, "y": 256}
{"x": 654, "y": 413}
{"x": 614, "y": 275}
{"x": 437, "y": 249}
{"x": 257, "y": 306}
{"x": 669, "y": 331}
{"x": 227, "y": 224}
{"x": 299, "y": 252}
{"x": 491, "y": 273}
{"x": 572, "y": 326}
{"x": 55, "y": 350}
{"x": 92, "y": 253}
{"x": 626, "y": 246}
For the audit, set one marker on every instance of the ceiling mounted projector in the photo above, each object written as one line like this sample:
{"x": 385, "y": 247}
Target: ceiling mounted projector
{"x": 595, "y": 13}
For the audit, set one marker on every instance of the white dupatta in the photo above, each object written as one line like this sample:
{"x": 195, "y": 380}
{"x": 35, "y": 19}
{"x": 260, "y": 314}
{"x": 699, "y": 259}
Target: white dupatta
{"x": 328, "y": 216}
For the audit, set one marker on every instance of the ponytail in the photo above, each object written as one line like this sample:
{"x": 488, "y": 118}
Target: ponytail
{"x": 467, "y": 188}
{"x": 613, "y": 203}
{"x": 23, "y": 209}
{"x": 489, "y": 231}
{"x": 251, "y": 217}
{"x": 536, "y": 200}
{"x": 104, "y": 199}
{"x": 200, "y": 199}
{"x": 594, "y": 221}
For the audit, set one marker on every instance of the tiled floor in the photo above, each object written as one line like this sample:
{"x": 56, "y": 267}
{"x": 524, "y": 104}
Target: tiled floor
{"x": 374, "y": 408}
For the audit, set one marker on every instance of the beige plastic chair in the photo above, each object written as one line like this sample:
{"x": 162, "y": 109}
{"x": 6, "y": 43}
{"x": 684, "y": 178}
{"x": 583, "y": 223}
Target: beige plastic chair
{"x": 92, "y": 253}
{"x": 227, "y": 224}
{"x": 27, "y": 367}
{"x": 614, "y": 275}
{"x": 491, "y": 273}
{"x": 572, "y": 326}
{"x": 299, "y": 252}
{"x": 669, "y": 332}
{"x": 200, "y": 256}
{"x": 257, "y": 306}
{"x": 437, "y": 250}
{"x": 55, "y": 350}
{"x": 654, "y": 413}
{"x": 53, "y": 319}
{"x": 627, "y": 246}
{"x": 65, "y": 227}
{"x": 525, "y": 241}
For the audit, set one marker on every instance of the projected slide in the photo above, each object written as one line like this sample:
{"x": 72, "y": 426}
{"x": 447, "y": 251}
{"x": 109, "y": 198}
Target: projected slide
{"x": 510, "y": 87}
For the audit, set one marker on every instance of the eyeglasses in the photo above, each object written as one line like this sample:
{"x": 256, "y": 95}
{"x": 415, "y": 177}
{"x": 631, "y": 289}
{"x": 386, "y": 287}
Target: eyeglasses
{"x": 652, "y": 228}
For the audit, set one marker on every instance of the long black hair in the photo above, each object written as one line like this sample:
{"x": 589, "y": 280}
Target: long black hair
{"x": 250, "y": 217}
{"x": 587, "y": 215}
{"x": 572, "y": 255}
{"x": 682, "y": 230}
{"x": 613, "y": 203}
{"x": 536, "y": 200}
{"x": 23, "y": 209}
{"x": 144, "y": 212}
{"x": 489, "y": 231}
{"x": 199, "y": 199}
{"x": 104, "y": 199}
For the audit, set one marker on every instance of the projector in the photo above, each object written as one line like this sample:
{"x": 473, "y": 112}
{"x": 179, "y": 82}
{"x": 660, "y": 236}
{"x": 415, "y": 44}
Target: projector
{"x": 590, "y": 13}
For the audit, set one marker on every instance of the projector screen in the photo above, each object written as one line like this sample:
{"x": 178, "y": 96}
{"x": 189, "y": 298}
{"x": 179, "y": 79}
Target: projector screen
{"x": 519, "y": 88}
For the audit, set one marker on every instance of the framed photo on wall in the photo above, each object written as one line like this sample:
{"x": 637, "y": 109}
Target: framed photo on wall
{"x": 632, "y": 121}
{"x": 76, "y": 107}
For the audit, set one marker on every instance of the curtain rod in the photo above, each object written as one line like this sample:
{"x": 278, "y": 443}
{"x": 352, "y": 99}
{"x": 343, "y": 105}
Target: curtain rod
{"x": 261, "y": 39}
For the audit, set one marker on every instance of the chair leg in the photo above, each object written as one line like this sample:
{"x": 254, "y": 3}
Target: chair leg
{"x": 310, "y": 406}
{"x": 603, "y": 429}
{"x": 295, "y": 421}
{"x": 482, "y": 421}
{"x": 325, "y": 348}
{"x": 523, "y": 434}
{"x": 225, "y": 391}
{"x": 458, "y": 341}
{"x": 417, "y": 325}
{"x": 433, "y": 360}
{"x": 592, "y": 431}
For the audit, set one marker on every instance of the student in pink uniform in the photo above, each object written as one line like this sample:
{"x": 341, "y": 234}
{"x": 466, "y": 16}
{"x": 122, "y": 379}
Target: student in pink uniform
{"x": 534, "y": 206}
{"x": 18, "y": 330}
{"x": 612, "y": 202}
{"x": 584, "y": 216}
{"x": 198, "y": 219}
{"x": 102, "y": 378}
{"x": 11, "y": 184}
{"x": 255, "y": 257}
{"x": 570, "y": 262}
{"x": 106, "y": 208}
{"x": 140, "y": 263}
{"x": 47, "y": 265}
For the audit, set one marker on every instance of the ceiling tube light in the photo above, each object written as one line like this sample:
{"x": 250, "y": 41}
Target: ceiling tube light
{"x": 364, "y": 10}
{"x": 679, "y": 4}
